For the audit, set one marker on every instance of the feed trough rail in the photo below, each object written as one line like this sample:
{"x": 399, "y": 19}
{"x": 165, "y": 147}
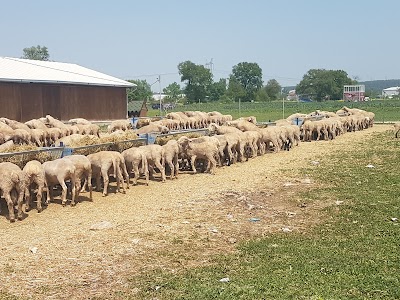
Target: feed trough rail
{"x": 203, "y": 131}
{"x": 265, "y": 124}
{"x": 111, "y": 146}
{"x": 43, "y": 154}
{"x": 300, "y": 121}
{"x": 151, "y": 137}
{"x": 20, "y": 158}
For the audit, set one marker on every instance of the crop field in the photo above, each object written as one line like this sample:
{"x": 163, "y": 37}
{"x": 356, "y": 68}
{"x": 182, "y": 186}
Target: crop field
{"x": 310, "y": 223}
{"x": 385, "y": 110}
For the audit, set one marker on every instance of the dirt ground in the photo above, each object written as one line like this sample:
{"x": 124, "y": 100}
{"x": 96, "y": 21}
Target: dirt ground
{"x": 174, "y": 225}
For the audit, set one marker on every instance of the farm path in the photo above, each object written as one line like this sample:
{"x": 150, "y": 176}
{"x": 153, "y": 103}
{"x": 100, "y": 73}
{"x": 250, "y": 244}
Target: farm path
{"x": 172, "y": 226}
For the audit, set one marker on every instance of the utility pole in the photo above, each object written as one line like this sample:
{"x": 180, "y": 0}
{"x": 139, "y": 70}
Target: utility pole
{"x": 283, "y": 104}
{"x": 210, "y": 66}
{"x": 159, "y": 93}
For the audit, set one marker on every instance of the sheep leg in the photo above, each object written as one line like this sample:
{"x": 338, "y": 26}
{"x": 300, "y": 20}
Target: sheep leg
{"x": 74, "y": 192}
{"x": 213, "y": 163}
{"x": 106, "y": 180}
{"x": 126, "y": 175}
{"x": 120, "y": 180}
{"x": 50, "y": 196}
{"x": 172, "y": 167}
{"x": 64, "y": 192}
{"x": 39, "y": 197}
{"x": 136, "y": 173}
{"x": 161, "y": 168}
{"x": 88, "y": 180}
{"x": 10, "y": 205}
{"x": 20, "y": 203}
{"x": 27, "y": 199}
{"x": 176, "y": 165}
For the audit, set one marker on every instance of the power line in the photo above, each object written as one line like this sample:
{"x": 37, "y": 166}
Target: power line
{"x": 210, "y": 65}
{"x": 151, "y": 75}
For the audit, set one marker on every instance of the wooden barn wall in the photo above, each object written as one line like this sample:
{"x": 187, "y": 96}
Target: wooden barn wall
{"x": 10, "y": 101}
{"x": 31, "y": 101}
{"x": 25, "y": 101}
{"x": 51, "y": 101}
{"x": 93, "y": 103}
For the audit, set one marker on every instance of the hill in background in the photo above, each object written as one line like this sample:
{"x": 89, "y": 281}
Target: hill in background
{"x": 373, "y": 86}
{"x": 378, "y": 85}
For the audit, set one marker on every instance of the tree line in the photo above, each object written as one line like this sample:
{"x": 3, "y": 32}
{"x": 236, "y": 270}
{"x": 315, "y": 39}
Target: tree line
{"x": 244, "y": 83}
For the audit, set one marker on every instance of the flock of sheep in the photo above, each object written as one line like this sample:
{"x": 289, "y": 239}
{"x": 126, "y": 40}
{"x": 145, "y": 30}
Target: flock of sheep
{"x": 230, "y": 141}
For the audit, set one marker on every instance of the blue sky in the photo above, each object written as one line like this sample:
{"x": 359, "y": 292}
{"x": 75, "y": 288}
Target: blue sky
{"x": 139, "y": 39}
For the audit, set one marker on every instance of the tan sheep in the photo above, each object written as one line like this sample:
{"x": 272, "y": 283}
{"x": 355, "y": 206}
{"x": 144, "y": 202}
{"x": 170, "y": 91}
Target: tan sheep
{"x": 59, "y": 171}
{"x": 171, "y": 153}
{"x": 204, "y": 150}
{"x": 155, "y": 158}
{"x": 104, "y": 163}
{"x": 135, "y": 157}
{"x": 81, "y": 121}
{"x": 152, "y": 127}
{"x": 83, "y": 173}
{"x": 35, "y": 175}
{"x": 12, "y": 184}
{"x": 119, "y": 124}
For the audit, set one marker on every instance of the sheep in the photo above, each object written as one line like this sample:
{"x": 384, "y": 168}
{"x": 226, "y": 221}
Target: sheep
{"x": 171, "y": 153}
{"x": 35, "y": 174}
{"x": 155, "y": 158}
{"x": 103, "y": 163}
{"x": 83, "y": 172}
{"x": 119, "y": 124}
{"x": 133, "y": 158}
{"x": 12, "y": 184}
{"x": 57, "y": 172}
{"x": 206, "y": 150}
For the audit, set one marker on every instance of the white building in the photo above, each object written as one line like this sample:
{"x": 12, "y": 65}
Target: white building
{"x": 292, "y": 96}
{"x": 390, "y": 92}
{"x": 156, "y": 97}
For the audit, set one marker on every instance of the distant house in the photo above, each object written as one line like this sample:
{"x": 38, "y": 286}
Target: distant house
{"x": 390, "y": 92}
{"x": 156, "y": 97}
{"x": 30, "y": 89}
{"x": 354, "y": 93}
{"x": 292, "y": 96}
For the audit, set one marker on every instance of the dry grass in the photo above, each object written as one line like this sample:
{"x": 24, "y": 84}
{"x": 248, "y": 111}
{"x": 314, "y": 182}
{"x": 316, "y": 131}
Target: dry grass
{"x": 171, "y": 226}
{"x": 162, "y": 140}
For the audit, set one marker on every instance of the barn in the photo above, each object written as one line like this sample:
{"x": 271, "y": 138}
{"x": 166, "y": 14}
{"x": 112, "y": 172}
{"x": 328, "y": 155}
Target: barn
{"x": 31, "y": 89}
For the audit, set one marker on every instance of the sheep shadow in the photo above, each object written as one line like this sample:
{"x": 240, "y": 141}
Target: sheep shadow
{"x": 4, "y": 210}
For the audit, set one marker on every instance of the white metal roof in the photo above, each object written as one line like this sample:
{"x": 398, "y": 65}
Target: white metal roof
{"x": 394, "y": 88}
{"x": 26, "y": 70}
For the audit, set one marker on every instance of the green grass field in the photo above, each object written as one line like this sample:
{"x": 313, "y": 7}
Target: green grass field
{"x": 385, "y": 110}
{"x": 353, "y": 254}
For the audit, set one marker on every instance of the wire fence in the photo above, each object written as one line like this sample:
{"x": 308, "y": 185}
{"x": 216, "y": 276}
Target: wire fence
{"x": 385, "y": 110}
{"x": 20, "y": 158}
{"x": 43, "y": 154}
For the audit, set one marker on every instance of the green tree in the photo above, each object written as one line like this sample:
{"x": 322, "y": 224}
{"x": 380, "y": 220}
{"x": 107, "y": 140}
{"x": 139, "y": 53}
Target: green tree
{"x": 262, "y": 95}
{"x": 173, "y": 92}
{"x": 321, "y": 84}
{"x": 36, "y": 53}
{"x": 217, "y": 89}
{"x": 249, "y": 76}
{"x": 273, "y": 89}
{"x": 197, "y": 78}
{"x": 235, "y": 90}
{"x": 141, "y": 91}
